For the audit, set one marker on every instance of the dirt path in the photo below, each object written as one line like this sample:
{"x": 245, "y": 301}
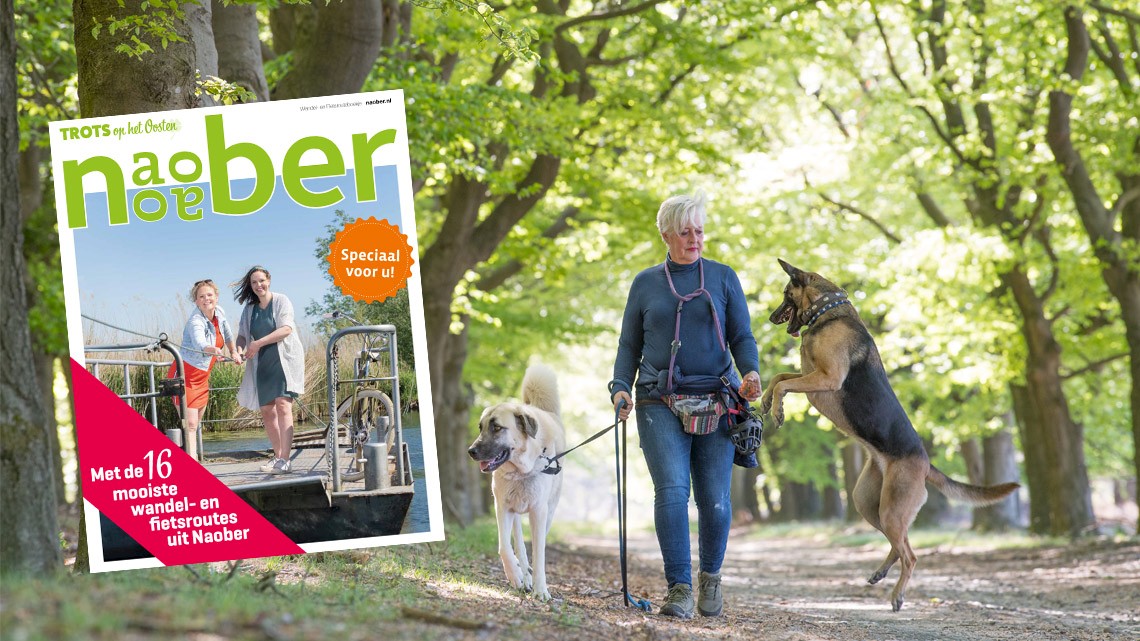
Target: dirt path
{"x": 805, "y": 589}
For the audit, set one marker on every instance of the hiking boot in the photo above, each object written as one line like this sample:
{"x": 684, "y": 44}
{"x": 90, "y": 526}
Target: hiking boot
{"x": 281, "y": 467}
{"x": 709, "y": 599}
{"x": 679, "y": 603}
{"x": 268, "y": 467}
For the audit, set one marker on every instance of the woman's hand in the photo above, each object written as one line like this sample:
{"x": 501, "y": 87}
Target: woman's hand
{"x": 623, "y": 411}
{"x": 252, "y": 349}
{"x": 750, "y": 389}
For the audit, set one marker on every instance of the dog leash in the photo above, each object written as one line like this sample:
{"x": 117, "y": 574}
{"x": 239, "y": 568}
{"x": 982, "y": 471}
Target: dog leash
{"x": 552, "y": 464}
{"x": 675, "y": 346}
{"x": 620, "y": 458}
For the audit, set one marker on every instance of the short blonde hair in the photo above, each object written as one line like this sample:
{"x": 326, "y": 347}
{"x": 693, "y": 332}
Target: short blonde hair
{"x": 677, "y": 212}
{"x": 199, "y": 285}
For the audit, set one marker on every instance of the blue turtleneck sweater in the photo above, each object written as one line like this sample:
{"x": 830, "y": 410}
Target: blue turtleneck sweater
{"x": 648, "y": 326}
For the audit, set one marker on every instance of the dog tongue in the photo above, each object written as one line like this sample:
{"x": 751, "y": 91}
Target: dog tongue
{"x": 483, "y": 465}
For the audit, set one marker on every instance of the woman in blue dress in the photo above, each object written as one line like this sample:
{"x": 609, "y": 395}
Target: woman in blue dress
{"x": 275, "y": 361}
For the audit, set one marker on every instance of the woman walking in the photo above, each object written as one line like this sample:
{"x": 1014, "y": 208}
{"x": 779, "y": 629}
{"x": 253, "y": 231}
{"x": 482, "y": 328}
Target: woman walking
{"x": 686, "y": 321}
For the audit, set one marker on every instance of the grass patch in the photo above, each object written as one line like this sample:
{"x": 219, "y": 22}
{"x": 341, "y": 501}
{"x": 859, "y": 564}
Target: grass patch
{"x": 354, "y": 592}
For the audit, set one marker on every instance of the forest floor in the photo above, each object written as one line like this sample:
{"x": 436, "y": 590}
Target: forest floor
{"x": 780, "y": 582}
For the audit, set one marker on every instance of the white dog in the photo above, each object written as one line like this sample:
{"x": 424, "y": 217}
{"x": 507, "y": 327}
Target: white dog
{"x": 517, "y": 441}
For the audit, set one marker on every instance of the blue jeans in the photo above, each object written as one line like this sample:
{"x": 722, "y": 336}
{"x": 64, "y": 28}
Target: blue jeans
{"x": 674, "y": 457}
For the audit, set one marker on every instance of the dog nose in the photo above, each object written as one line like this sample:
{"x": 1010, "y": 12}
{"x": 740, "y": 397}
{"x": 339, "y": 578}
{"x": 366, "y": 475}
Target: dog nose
{"x": 471, "y": 452}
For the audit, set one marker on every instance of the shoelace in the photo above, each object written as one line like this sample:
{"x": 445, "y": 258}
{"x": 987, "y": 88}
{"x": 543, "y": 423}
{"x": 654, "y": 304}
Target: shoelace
{"x": 709, "y": 582}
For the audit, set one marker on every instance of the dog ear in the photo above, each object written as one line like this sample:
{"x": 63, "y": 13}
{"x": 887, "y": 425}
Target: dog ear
{"x": 799, "y": 276}
{"x": 788, "y": 269}
{"x": 526, "y": 424}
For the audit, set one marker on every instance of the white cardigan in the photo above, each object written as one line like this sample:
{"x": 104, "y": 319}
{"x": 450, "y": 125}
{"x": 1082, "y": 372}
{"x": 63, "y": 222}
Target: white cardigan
{"x": 290, "y": 349}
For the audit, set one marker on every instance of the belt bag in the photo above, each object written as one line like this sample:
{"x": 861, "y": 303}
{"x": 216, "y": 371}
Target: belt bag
{"x": 699, "y": 413}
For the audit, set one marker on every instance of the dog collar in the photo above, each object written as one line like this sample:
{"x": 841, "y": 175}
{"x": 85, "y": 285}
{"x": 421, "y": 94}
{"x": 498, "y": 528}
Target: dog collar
{"x": 827, "y": 302}
{"x": 552, "y": 464}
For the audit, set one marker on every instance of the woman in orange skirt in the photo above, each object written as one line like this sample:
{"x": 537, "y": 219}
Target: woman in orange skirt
{"x": 203, "y": 337}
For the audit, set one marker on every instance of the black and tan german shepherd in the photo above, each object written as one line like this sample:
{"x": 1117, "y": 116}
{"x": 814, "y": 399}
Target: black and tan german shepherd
{"x": 844, "y": 379}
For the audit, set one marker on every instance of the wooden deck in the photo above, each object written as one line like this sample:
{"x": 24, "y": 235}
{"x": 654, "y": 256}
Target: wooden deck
{"x": 300, "y": 503}
{"x": 243, "y": 467}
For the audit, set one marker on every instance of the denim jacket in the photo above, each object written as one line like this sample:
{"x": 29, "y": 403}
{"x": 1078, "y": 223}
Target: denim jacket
{"x": 198, "y": 334}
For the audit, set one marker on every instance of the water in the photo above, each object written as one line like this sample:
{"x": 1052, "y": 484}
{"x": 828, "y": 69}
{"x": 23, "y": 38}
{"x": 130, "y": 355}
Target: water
{"x": 417, "y": 519}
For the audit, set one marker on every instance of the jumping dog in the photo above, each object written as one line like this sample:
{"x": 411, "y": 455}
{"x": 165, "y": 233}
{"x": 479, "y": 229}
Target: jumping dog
{"x": 844, "y": 379}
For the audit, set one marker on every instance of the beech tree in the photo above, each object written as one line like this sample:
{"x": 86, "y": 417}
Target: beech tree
{"x": 1117, "y": 247}
{"x": 27, "y": 484}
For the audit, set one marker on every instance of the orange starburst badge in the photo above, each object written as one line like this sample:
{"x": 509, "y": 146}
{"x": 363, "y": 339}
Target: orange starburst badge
{"x": 370, "y": 260}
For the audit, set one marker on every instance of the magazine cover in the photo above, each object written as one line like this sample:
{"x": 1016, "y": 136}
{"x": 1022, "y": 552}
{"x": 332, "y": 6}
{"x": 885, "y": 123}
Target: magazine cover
{"x": 245, "y": 323}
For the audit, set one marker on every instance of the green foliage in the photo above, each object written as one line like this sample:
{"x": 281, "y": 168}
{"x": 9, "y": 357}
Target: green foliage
{"x": 514, "y": 42}
{"x": 644, "y": 131}
{"x": 801, "y": 451}
{"x": 156, "y": 24}
{"x": 223, "y": 91}
{"x": 46, "y": 317}
{"x": 934, "y": 298}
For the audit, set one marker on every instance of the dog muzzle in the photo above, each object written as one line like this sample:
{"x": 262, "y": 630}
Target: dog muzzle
{"x": 746, "y": 432}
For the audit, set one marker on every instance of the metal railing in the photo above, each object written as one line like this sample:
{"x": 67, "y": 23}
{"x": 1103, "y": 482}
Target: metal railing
{"x": 369, "y": 367}
{"x": 153, "y": 392}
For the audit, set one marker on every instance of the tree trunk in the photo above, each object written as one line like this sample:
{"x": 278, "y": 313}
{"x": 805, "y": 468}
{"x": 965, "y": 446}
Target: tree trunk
{"x": 975, "y": 461}
{"x": 459, "y": 478}
{"x": 852, "y": 465}
{"x": 45, "y": 383}
{"x": 745, "y": 498}
{"x": 1000, "y": 466}
{"x": 286, "y": 22}
{"x": 832, "y": 507}
{"x": 937, "y": 506}
{"x": 1068, "y": 495}
{"x": 112, "y": 83}
{"x": 1118, "y": 270}
{"x": 336, "y": 56}
{"x": 199, "y": 22}
{"x": 239, "y": 47}
{"x": 31, "y": 198}
{"x": 1033, "y": 448}
{"x": 31, "y": 540}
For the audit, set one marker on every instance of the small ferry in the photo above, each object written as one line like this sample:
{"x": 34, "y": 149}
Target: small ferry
{"x": 351, "y": 476}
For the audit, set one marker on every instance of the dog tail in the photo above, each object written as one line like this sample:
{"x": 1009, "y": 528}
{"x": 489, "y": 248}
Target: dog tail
{"x": 540, "y": 388}
{"x": 971, "y": 494}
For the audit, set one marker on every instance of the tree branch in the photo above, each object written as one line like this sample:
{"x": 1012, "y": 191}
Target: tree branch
{"x": 1087, "y": 199}
{"x": 606, "y": 15}
{"x": 858, "y": 212}
{"x": 1095, "y": 365}
{"x": 835, "y": 115}
{"x": 1113, "y": 58}
{"x": 893, "y": 66}
{"x": 933, "y": 211}
{"x": 1127, "y": 15}
{"x": 1135, "y": 40}
{"x": 493, "y": 279}
{"x": 510, "y": 210}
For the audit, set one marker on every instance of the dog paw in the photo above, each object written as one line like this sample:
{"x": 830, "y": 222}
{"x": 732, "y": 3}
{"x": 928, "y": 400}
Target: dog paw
{"x": 542, "y": 595}
{"x": 778, "y": 416}
{"x": 766, "y": 401}
{"x": 528, "y": 582}
{"x": 896, "y": 602}
{"x": 514, "y": 576}
{"x": 876, "y": 577}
